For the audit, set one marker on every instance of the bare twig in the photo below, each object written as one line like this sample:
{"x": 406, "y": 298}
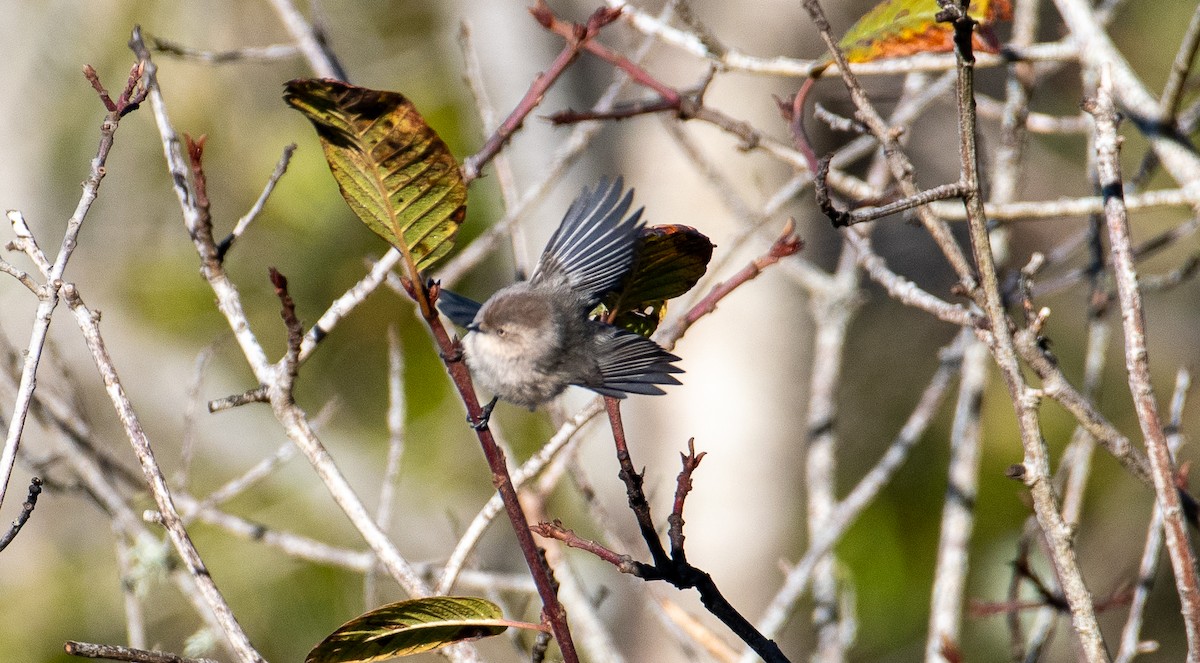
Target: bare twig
{"x": 271, "y": 377}
{"x": 899, "y": 164}
{"x": 1036, "y": 462}
{"x": 35, "y": 489}
{"x": 676, "y": 569}
{"x": 133, "y": 94}
{"x": 309, "y": 40}
{"x": 958, "y": 512}
{"x": 119, "y": 653}
{"x": 89, "y": 325}
{"x": 782, "y": 605}
{"x": 269, "y": 53}
{"x": 255, "y": 209}
{"x": 1137, "y": 364}
{"x": 1131, "y": 643}
{"x": 396, "y": 435}
{"x": 734, "y": 60}
{"x": 1173, "y": 89}
{"x": 578, "y": 38}
{"x": 1033, "y": 210}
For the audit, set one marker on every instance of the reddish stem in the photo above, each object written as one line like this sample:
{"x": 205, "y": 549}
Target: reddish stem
{"x": 683, "y": 486}
{"x": 578, "y": 37}
{"x": 787, "y": 244}
{"x": 624, "y": 563}
{"x": 451, "y": 354}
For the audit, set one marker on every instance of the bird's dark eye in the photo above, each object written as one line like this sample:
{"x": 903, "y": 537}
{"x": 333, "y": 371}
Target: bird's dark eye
{"x": 500, "y": 331}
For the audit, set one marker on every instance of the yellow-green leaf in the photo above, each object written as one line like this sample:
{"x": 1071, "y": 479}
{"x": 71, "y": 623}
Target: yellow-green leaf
{"x": 409, "y": 627}
{"x": 667, "y": 261}
{"x": 894, "y": 28}
{"x": 392, "y": 168}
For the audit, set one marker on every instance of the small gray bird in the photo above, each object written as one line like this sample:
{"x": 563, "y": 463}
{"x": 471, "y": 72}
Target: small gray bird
{"x": 532, "y": 339}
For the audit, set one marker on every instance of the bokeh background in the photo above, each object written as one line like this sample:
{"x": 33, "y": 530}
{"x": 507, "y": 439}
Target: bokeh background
{"x": 744, "y": 395}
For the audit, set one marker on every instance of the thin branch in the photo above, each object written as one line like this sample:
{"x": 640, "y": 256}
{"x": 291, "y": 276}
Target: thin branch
{"x": 783, "y": 604}
{"x": 1036, "y": 455}
{"x": 269, "y": 53}
{"x": 1173, "y": 89}
{"x": 135, "y": 614}
{"x": 1053, "y": 210}
{"x": 1137, "y": 364}
{"x": 904, "y": 290}
{"x": 676, "y": 570}
{"x": 623, "y": 563}
{"x": 1096, "y": 51}
{"x": 293, "y": 420}
{"x": 396, "y": 435}
{"x": 683, "y": 486}
{"x": 26, "y": 242}
{"x": 20, "y": 276}
{"x": 569, "y": 152}
{"x": 899, "y": 164}
{"x": 240, "y": 483}
{"x": 256, "y": 395}
{"x": 89, "y": 325}
{"x": 733, "y": 60}
{"x": 133, "y": 94}
{"x": 119, "y": 653}
{"x": 958, "y": 511}
{"x": 1131, "y": 643}
{"x": 578, "y": 39}
{"x": 473, "y": 72}
{"x": 243, "y": 223}
{"x": 35, "y": 489}
{"x": 310, "y": 41}
{"x": 295, "y": 331}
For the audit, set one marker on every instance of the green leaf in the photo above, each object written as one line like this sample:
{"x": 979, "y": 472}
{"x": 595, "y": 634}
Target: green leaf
{"x": 667, "y": 262}
{"x": 392, "y": 168}
{"x": 895, "y": 28}
{"x": 409, "y": 627}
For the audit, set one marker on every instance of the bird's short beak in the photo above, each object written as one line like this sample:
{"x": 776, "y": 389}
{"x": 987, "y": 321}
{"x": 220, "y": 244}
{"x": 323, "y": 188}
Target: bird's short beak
{"x": 474, "y": 326}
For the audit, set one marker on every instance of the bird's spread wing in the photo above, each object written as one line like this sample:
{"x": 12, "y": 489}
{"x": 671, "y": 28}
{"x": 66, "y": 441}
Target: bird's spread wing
{"x": 460, "y": 309}
{"x": 593, "y": 246}
{"x": 632, "y": 364}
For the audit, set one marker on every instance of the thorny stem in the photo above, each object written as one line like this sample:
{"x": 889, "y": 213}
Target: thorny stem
{"x": 1137, "y": 363}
